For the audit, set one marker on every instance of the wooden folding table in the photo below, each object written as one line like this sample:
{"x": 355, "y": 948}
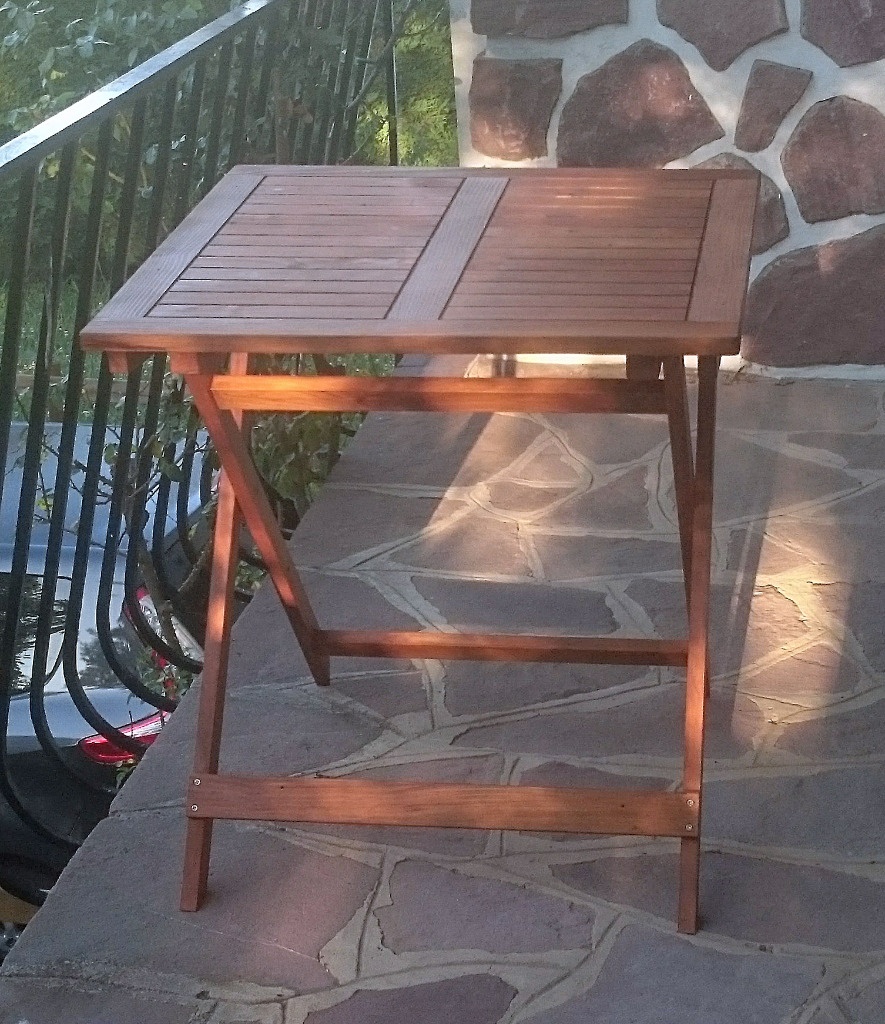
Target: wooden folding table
{"x": 648, "y": 264}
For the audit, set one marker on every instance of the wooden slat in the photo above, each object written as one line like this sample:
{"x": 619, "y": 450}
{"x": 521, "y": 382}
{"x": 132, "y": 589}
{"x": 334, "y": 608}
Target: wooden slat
{"x": 724, "y": 263}
{"x": 274, "y": 274}
{"x": 548, "y": 291}
{"x": 590, "y": 231}
{"x": 443, "y": 805}
{"x": 294, "y": 285}
{"x": 315, "y": 242}
{"x": 277, "y": 226}
{"x": 575, "y": 300}
{"x": 265, "y": 297}
{"x": 603, "y": 274}
{"x": 310, "y": 251}
{"x": 154, "y": 276}
{"x": 440, "y": 266}
{"x": 429, "y": 394}
{"x": 306, "y": 263}
{"x": 563, "y": 248}
{"x": 337, "y": 267}
{"x": 292, "y": 311}
{"x": 557, "y": 258}
{"x": 609, "y": 314}
{"x": 576, "y": 650}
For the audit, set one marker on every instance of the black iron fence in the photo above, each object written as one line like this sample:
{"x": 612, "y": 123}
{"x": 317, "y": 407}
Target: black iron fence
{"x": 102, "y": 553}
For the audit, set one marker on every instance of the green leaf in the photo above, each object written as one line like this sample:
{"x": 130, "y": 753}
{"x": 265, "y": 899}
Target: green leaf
{"x": 45, "y": 65}
{"x": 170, "y": 470}
{"x": 111, "y": 452}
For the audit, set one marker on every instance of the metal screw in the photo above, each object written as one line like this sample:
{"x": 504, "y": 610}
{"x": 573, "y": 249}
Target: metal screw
{"x": 197, "y": 782}
{"x": 689, "y": 802}
{"x": 688, "y": 828}
{"x": 194, "y": 807}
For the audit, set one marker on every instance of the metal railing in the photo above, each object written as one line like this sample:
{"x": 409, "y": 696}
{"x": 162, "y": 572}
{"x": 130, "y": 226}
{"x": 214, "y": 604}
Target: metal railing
{"x": 97, "y": 484}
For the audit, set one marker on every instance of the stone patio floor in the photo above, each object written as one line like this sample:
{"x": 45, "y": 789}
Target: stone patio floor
{"x": 523, "y": 521}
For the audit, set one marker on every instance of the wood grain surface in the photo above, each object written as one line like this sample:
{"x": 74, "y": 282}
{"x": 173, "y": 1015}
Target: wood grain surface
{"x": 443, "y": 805}
{"x": 447, "y": 260}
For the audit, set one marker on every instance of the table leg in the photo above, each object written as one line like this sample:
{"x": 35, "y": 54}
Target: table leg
{"x": 698, "y": 625}
{"x": 225, "y": 559}
{"x": 259, "y": 517}
{"x": 683, "y": 462}
{"x": 681, "y": 453}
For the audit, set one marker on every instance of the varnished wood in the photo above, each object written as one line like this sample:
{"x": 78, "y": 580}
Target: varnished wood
{"x": 458, "y": 261}
{"x": 650, "y": 264}
{"x": 236, "y": 462}
{"x": 443, "y": 805}
{"x": 724, "y": 261}
{"x": 681, "y": 455}
{"x": 435, "y": 275}
{"x": 436, "y": 394}
{"x": 503, "y": 647}
{"x": 216, "y": 650}
{"x": 696, "y": 687}
{"x": 276, "y": 335}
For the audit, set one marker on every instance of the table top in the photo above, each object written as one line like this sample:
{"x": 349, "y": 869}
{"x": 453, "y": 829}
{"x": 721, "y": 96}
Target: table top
{"x": 377, "y": 259}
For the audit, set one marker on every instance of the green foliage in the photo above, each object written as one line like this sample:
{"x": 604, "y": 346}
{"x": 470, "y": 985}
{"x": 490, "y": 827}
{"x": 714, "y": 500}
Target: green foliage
{"x": 427, "y": 129}
{"x": 426, "y": 125}
{"x": 54, "y": 52}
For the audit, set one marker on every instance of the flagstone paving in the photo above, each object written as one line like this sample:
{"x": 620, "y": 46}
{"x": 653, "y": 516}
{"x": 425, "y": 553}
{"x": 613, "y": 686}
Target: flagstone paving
{"x": 550, "y": 523}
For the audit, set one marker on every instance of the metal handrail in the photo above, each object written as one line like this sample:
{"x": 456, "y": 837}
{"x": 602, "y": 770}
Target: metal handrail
{"x": 27, "y": 149}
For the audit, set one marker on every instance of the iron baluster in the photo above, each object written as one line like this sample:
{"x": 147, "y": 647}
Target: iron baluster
{"x": 127, "y": 196}
{"x": 15, "y": 301}
{"x": 189, "y": 148}
{"x": 331, "y": 74}
{"x": 246, "y": 52}
{"x": 391, "y": 86}
{"x": 370, "y": 14}
{"x": 307, "y": 14}
{"x": 161, "y": 165}
{"x": 264, "y": 120}
{"x": 344, "y": 81}
{"x": 219, "y": 106}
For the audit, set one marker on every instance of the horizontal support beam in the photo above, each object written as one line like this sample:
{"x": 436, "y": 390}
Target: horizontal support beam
{"x": 444, "y": 805}
{"x": 442, "y": 394}
{"x": 576, "y": 650}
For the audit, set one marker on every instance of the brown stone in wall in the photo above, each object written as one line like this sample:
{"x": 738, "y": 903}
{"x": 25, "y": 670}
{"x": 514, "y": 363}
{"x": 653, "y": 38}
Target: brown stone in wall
{"x": 849, "y": 31}
{"x": 835, "y": 160}
{"x": 723, "y": 29}
{"x": 640, "y": 109}
{"x": 820, "y": 305}
{"x": 772, "y": 92}
{"x": 544, "y": 19}
{"x": 771, "y": 224}
{"x": 510, "y": 106}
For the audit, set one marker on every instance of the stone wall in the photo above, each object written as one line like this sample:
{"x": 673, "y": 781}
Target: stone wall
{"x": 795, "y": 88}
